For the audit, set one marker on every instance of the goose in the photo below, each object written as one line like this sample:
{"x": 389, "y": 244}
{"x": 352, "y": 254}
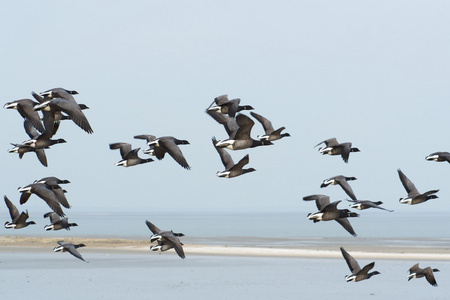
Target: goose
{"x": 342, "y": 181}
{"x": 439, "y": 156}
{"x": 230, "y": 107}
{"x": 414, "y": 197}
{"x": 328, "y": 211}
{"x": 70, "y": 107}
{"x": 242, "y": 139}
{"x": 166, "y": 240}
{"x": 52, "y": 180}
{"x": 358, "y": 274}
{"x": 26, "y": 109}
{"x": 231, "y": 169}
{"x": 22, "y": 149}
{"x": 270, "y": 133}
{"x": 42, "y": 141}
{"x": 17, "y": 220}
{"x": 69, "y": 247}
{"x": 57, "y": 222}
{"x": 166, "y": 144}
{"x": 332, "y": 147}
{"x": 365, "y": 204}
{"x": 58, "y": 93}
{"x": 129, "y": 157}
{"x": 52, "y": 118}
{"x": 46, "y": 193}
{"x": 416, "y": 272}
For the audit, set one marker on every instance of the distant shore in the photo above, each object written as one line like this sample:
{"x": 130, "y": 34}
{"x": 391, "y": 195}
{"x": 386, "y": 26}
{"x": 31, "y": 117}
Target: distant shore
{"x": 359, "y": 248}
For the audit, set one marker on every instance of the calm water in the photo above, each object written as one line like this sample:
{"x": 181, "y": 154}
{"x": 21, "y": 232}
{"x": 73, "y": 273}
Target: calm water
{"x": 153, "y": 276}
{"x": 280, "y": 224}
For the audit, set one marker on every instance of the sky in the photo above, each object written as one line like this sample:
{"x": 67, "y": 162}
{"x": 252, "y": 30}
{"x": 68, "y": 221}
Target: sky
{"x": 374, "y": 73}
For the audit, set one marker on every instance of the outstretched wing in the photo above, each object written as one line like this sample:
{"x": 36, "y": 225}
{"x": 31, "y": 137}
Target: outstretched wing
{"x": 152, "y": 227}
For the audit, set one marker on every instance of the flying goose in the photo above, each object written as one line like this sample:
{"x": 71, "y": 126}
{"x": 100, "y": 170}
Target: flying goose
{"x": 231, "y": 169}
{"x": 52, "y": 117}
{"x": 22, "y": 149}
{"x": 332, "y": 147}
{"x": 57, "y": 105}
{"x": 17, "y": 220}
{"x": 46, "y": 193}
{"x": 270, "y": 133}
{"x": 129, "y": 157}
{"x": 365, "y": 204}
{"x": 52, "y": 180}
{"x": 358, "y": 274}
{"x": 58, "y": 93}
{"x": 25, "y": 108}
{"x": 242, "y": 138}
{"x": 166, "y": 144}
{"x": 69, "y": 247}
{"x": 57, "y": 222}
{"x": 328, "y": 211}
{"x": 230, "y": 107}
{"x": 416, "y": 272}
{"x": 166, "y": 240}
{"x": 342, "y": 181}
{"x": 439, "y": 156}
{"x": 414, "y": 197}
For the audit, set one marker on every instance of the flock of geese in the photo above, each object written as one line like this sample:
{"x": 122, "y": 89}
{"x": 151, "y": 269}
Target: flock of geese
{"x": 329, "y": 211}
{"x": 59, "y": 104}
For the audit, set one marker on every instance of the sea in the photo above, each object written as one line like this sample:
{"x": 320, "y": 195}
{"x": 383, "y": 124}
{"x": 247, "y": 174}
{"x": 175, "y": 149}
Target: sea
{"x": 40, "y": 273}
{"x": 131, "y": 225}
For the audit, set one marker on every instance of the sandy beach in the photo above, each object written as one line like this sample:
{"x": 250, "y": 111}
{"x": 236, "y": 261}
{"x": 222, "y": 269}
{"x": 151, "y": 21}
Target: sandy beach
{"x": 374, "y": 248}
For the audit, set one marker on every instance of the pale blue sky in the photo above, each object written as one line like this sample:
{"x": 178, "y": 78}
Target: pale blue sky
{"x": 375, "y": 73}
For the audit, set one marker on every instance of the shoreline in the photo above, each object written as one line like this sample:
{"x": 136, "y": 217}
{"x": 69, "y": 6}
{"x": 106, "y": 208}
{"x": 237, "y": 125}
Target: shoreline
{"x": 305, "y": 248}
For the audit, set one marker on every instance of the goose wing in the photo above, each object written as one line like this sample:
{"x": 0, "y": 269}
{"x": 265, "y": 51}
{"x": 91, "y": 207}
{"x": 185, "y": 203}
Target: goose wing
{"x": 25, "y": 108}
{"x": 351, "y": 262}
{"x": 241, "y": 163}
{"x": 414, "y": 269}
{"x": 59, "y": 192}
{"x": 245, "y": 127}
{"x": 329, "y": 142}
{"x": 374, "y": 205}
{"x": 53, "y": 217}
{"x": 221, "y": 100}
{"x": 149, "y": 138}
{"x": 227, "y": 161}
{"x": 22, "y": 218}
{"x": 152, "y": 227}
{"x": 347, "y": 226}
{"x": 229, "y": 123}
{"x": 72, "y": 250}
{"x": 408, "y": 185}
{"x": 175, "y": 242}
{"x": 49, "y": 197}
{"x": 346, "y": 187}
{"x": 72, "y": 109}
{"x": 124, "y": 148}
{"x": 331, "y": 207}
{"x": 429, "y": 276}
{"x": 345, "y": 151}
{"x": 174, "y": 151}
{"x": 321, "y": 200}
{"x": 233, "y": 106}
{"x": 267, "y": 125}
{"x": 367, "y": 268}
{"x": 40, "y": 153}
{"x": 13, "y": 211}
